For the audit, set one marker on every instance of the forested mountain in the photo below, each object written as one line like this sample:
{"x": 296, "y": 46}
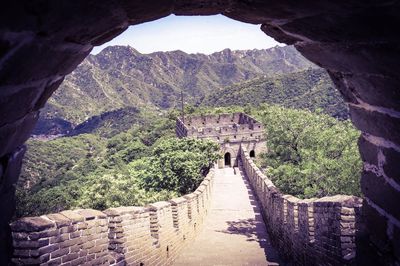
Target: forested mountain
{"x": 310, "y": 89}
{"x": 120, "y": 76}
{"x": 109, "y": 123}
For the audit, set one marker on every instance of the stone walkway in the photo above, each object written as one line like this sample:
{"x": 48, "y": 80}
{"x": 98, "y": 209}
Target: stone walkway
{"x": 234, "y": 232}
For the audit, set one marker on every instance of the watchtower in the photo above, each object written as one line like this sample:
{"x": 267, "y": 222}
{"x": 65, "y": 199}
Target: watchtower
{"x": 229, "y": 130}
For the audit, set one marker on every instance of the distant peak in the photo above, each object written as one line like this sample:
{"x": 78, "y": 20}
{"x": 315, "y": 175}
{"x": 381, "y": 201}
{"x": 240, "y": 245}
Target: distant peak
{"x": 119, "y": 49}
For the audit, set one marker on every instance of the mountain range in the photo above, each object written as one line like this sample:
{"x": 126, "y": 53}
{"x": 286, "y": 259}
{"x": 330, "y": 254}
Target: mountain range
{"x": 310, "y": 89}
{"x": 121, "y": 77}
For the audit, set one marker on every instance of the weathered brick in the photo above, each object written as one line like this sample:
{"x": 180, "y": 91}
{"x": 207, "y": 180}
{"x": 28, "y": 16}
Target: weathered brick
{"x": 31, "y": 224}
{"x": 59, "y": 219}
{"x": 78, "y": 261}
{"x": 378, "y": 223}
{"x": 381, "y": 193}
{"x": 26, "y": 261}
{"x": 48, "y": 249}
{"x": 69, "y": 257}
{"x": 73, "y": 216}
{"x": 368, "y": 151}
{"x": 391, "y": 165}
{"x": 59, "y": 253}
{"x": 43, "y": 234}
{"x": 21, "y": 253}
{"x": 75, "y": 234}
{"x": 90, "y": 214}
{"x": 31, "y": 244}
{"x": 70, "y": 242}
{"x": 56, "y": 261}
{"x": 88, "y": 244}
{"x": 365, "y": 120}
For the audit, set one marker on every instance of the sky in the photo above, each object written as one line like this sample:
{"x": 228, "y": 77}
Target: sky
{"x": 192, "y": 34}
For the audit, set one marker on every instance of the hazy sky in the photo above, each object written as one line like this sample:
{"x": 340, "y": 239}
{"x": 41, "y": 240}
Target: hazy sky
{"x": 192, "y": 34}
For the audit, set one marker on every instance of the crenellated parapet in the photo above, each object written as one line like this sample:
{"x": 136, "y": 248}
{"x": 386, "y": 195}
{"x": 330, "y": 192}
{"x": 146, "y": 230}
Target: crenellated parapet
{"x": 147, "y": 235}
{"x": 228, "y": 130}
{"x": 307, "y": 231}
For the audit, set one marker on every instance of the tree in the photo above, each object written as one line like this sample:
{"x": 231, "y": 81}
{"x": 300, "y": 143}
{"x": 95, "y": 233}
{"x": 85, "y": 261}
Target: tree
{"x": 310, "y": 155}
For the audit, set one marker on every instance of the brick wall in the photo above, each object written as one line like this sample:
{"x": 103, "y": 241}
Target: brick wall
{"x": 306, "y": 231}
{"x": 148, "y": 235}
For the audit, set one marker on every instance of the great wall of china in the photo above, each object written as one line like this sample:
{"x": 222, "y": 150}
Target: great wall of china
{"x": 306, "y": 232}
{"x": 311, "y": 231}
{"x": 150, "y": 235}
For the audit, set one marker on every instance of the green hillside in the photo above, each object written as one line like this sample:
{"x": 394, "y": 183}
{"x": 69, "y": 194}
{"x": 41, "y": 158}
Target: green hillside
{"x": 311, "y": 89}
{"x": 143, "y": 164}
{"x": 120, "y": 76}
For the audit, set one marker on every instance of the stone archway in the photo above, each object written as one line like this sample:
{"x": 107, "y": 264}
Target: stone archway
{"x": 227, "y": 159}
{"x": 357, "y": 42}
{"x": 252, "y": 154}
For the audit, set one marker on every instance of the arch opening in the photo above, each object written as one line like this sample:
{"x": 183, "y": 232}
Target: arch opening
{"x": 252, "y": 154}
{"x": 227, "y": 159}
{"x": 310, "y": 48}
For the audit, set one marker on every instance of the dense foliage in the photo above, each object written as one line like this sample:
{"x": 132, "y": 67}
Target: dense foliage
{"x": 174, "y": 165}
{"x": 131, "y": 168}
{"x": 310, "y": 155}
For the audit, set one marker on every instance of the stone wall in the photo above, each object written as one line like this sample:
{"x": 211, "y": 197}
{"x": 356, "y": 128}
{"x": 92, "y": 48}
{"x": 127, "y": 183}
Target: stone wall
{"x": 357, "y": 42}
{"x": 236, "y": 127}
{"x": 234, "y": 147}
{"x": 307, "y": 232}
{"x": 229, "y": 130}
{"x": 150, "y": 235}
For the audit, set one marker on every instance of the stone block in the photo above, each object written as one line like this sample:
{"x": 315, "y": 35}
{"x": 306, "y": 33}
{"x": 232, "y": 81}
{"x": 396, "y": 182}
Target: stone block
{"x": 377, "y": 227}
{"x": 59, "y": 219}
{"x": 21, "y": 253}
{"x": 111, "y": 212}
{"x": 381, "y": 193}
{"x": 391, "y": 164}
{"x": 178, "y": 201}
{"x": 365, "y": 120}
{"x": 90, "y": 214}
{"x": 32, "y": 224}
{"x": 68, "y": 229}
{"x": 69, "y": 257}
{"x": 75, "y": 234}
{"x": 26, "y": 261}
{"x": 48, "y": 249}
{"x": 73, "y": 216}
{"x": 376, "y": 90}
{"x": 78, "y": 261}
{"x": 59, "y": 253}
{"x": 368, "y": 151}
{"x": 158, "y": 205}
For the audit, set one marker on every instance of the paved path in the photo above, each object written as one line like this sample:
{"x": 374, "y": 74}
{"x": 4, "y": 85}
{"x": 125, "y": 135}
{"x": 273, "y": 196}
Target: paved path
{"x": 234, "y": 232}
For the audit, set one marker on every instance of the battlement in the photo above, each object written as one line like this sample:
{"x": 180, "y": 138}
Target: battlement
{"x": 229, "y": 130}
{"x": 236, "y": 127}
{"x": 133, "y": 235}
{"x": 317, "y": 231}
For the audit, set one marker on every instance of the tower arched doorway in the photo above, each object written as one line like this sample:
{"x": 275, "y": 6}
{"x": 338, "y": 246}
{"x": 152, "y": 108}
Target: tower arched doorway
{"x": 252, "y": 154}
{"x": 227, "y": 159}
